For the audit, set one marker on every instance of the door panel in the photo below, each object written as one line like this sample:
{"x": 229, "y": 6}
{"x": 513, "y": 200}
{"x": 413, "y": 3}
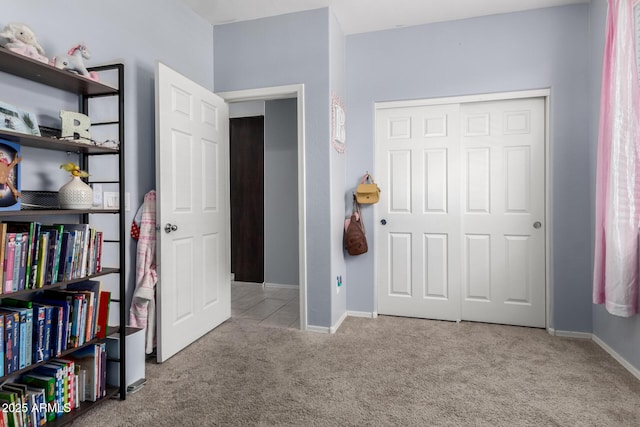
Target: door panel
{"x": 192, "y": 188}
{"x": 511, "y": 187}
{"x": 414, "y": 249}
{"x": 247, "y": 198}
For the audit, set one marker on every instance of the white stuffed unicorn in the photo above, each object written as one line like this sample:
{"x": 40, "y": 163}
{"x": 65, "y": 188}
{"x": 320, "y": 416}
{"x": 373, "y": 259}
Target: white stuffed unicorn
{"x": 74, "y": 61}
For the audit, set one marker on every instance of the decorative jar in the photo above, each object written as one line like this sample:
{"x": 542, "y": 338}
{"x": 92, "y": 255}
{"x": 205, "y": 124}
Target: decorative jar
{"x": 75, "y": 194}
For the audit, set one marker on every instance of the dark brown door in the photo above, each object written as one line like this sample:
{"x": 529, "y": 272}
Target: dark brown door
{"x": 246, "y": 150}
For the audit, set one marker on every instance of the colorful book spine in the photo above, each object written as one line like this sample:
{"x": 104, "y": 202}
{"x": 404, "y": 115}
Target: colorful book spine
{"x": 39, "y": 316}
{"x": 12, "y": 341}
{"x": 43, "y": 254}
{"x": 23, "y": 262}
{"x": 17, "y": 260}
{"x": 2, "y": 359}
{"x": 35, "y": 250}
{"x": 8, "y": 262}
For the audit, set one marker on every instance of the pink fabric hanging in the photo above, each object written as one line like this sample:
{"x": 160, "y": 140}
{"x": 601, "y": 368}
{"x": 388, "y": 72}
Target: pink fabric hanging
{"x": 615, "y": 278}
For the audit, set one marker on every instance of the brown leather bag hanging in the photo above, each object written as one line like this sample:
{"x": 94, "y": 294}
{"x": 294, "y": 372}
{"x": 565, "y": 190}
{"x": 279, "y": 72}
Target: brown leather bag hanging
{"x": 355, "y": 240}
{"x": 367, "y": 191}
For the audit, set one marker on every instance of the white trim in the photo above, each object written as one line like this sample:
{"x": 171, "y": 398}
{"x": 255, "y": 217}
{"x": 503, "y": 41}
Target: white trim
{"x": 367, "y": 314}
{"x": 334, "y": 328}
{"x": 544, "y": 93}
{"x": 571, "y": 334}
{"x": 319, "y": 329}
{"x": 280, "y": 285}
{"x": 548, "y": 218}
{"x": 634, "y": 371}
{"x": 498, "y": 96}
{"x": 282, "y": 92}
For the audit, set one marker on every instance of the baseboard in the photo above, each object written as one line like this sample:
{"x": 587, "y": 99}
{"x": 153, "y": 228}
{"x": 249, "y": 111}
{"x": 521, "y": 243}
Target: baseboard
{"x": 621, "y": 360}
{"x": 279, "y": 285}
{"x": 319, "y": 329}
{"x": 571, "y": 334}
{"x": 334, "y": 328}
{"x": 367, "y": 314}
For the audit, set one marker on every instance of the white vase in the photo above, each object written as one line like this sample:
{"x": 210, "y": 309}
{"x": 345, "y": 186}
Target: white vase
{"x": 75, "y": 194}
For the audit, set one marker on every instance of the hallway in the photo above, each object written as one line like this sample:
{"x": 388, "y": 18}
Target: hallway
{"x": 266, "y": 306}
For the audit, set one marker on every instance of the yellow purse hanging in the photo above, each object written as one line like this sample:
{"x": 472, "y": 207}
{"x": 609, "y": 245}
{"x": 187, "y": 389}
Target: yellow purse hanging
{"x": 367, "y": 191}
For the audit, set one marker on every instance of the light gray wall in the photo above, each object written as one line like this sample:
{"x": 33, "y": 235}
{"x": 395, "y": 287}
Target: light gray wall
{"x": 545, "y": 48}
{"x": 281, "y": 192}
{"x": 621, "y": 334}
{"x": 246, "y": 109}
{"x": 284, "y": 50}
{"x": 120, "y": 31}
{"x": 338, "y": 84}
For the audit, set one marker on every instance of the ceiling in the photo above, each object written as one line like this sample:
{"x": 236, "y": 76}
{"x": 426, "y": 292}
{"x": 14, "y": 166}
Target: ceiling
{"x": 360, "y": 16}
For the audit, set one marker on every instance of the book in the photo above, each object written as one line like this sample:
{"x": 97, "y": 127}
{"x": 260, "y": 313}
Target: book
{"x": 8, "y": 262}
{"x": 103, "y": 314}
{"x": 12, "y": 340}
{"x": 17, "y": 261}
{"x": 99, "y": 252}
{"x": 31, "y": 322}
{"x": 35, "y": 250}
{"x": 43, "y": 254}
{"x": 39, "y": 319}
{"x": 55, "y": 245}
{"x": 62, "y": 264}
{"x": 2, "y": 359}
{"x": 3, "y": 243}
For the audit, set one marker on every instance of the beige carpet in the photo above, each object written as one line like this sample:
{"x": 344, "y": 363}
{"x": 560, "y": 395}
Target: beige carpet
{"x": 384, "y": 371}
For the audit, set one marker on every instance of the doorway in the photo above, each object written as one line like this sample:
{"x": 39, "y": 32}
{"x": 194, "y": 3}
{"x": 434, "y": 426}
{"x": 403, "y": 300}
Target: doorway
{"x": 461, "y": 232}
{"x": 299, "y": 212}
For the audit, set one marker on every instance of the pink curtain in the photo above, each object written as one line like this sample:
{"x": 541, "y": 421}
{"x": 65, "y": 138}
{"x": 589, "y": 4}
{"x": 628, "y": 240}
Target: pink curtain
{"x": 615, "y": 278}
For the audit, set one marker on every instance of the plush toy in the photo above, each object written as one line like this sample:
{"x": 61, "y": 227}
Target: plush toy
{"x": 21, "y": 39}
{"x": 74, "y": 61}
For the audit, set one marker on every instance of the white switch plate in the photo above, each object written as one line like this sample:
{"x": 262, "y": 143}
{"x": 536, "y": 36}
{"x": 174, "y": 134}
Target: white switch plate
{"x": 111, "y": 200}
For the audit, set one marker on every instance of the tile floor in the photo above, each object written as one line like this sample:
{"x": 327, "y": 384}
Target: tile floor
{"x": 267, "y": 306}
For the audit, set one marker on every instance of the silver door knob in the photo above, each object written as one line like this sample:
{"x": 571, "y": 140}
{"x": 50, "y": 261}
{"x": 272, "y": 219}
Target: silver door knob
{"x": 537, "y": 224}
{"x": 383, "y": 221}
{"x": 170, "y": 227}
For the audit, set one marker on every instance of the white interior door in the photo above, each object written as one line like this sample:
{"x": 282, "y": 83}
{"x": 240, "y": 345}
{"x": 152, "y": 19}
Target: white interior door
{"x": 503, "y": 227}
{"x": 460, "y": 230}
{"x": 192, "y": 146}
{"x": 418, "y": 224}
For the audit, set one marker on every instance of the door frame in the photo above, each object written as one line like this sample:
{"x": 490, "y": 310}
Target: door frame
{"x": 283, "y": 92}
{"x": 498, "y": 96}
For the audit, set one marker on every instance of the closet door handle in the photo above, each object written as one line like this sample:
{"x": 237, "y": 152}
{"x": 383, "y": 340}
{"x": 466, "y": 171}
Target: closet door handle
{"x": 170, "y": 227}
{"x": 537, "y": 225}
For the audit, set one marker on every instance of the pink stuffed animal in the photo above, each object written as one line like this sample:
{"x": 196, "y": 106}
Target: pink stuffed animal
{"x": 21, "y": 39}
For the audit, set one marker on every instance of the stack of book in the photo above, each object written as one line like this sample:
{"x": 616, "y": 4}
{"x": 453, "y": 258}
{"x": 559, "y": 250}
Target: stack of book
{"x": 54, "y": 322}
{"x": 55, "y": 388}
{"x": 34, "y": 255}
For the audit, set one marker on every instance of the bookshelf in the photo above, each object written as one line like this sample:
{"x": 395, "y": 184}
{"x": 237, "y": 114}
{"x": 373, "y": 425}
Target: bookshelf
{"x": 88, "y": 92}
